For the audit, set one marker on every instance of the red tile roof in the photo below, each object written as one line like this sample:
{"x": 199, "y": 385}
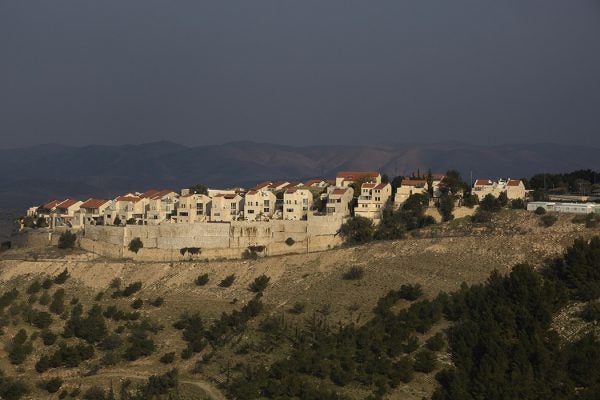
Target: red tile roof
{"x": 483, "y": 182}
{"x": 67, "y": 203}
{"x": 162, "y": 193}
{"x": 512, "y": 182}
{"x": 413, "y": 182}
{"x": 51, "y": 205}
{"x": 339, "y": 191}
{"x": 149, "y": 193}
{"x": 252, "y": 192}
{"x": 132, "y": 199}
{"x": 93, "y": 203}
{"x": 438, "y": 177}
{"x": 381, "y": 186}
{"x": 277, "y": 184}
{"x": 330, "y": 181}
{"x": 312, "y": 182}
{"x": 262, "y": 185}
{"x": 369, "y": 185}
{"x": 354, "y": 175}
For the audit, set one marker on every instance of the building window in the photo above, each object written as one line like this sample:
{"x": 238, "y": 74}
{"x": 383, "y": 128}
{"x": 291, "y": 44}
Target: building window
{"x": 233, "y": 206}
{"x": 266, "y": 209}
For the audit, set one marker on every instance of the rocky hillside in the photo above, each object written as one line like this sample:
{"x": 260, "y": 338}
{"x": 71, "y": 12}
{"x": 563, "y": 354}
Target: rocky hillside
{"x": 301, "y": 288}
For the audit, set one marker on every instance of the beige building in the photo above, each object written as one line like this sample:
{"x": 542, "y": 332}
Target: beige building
{"x": 373, "y": 199}
{"x": 515, "y": 189}
{"x": 317, "y": 183}
{"x": 338, "y": 201}
{"x": 346, "y": 178}
{"x": 296, "y": 203}
{"x": 407, "y": 188}
{"x": 91, "y": 211}
{"x": 65, "y": 212}
{"x": 226, "y": 207}
{"x": 193, "y": 208}
{"x": 259, "y": 205}
{"x": 161, "y": 207}
{"x": 128, "y": 207}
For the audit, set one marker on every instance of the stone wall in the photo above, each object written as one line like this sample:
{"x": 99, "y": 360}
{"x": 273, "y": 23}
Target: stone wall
{"x": 215, "y": 240}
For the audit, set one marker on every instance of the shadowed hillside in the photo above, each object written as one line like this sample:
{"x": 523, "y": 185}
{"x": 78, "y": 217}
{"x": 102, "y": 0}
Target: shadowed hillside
{"x": 36, "y": 174}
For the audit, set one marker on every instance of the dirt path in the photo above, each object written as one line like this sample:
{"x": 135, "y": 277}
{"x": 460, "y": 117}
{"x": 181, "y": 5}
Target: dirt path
{"x": 208, "y": 388}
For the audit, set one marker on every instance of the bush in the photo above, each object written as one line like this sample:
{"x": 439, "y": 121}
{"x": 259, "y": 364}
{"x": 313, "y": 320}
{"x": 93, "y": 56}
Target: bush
{"x": 425, "y": 361}
{"x": 517, "y": 204}
{"x": 47, "y": 283}
{"x": 260, "y": 284}
{"x": 591, "y": 312}
{"x": 228, "y": 281}
{"x": 446, "y": 207}
{"x": 52, "y": 385}
{"x": 249, "y": 255}
{"x": 129, "y": 290}
{"x": 157, "y": 302}
{"x": 168, "y": 358}
{"x": 490, "y": 203}
{"x": 67, "y": 240}
{"x": 357, "y": 230}
{"x": 436, "y": 342}
{"x": 44, "y": 299}
{"x": 135, "y": 245}
{"x": 548, "y": 220}
{"x": 202, "y": 280}
{"x": 137, "y": 304}
{"x": 298, "y": 308}
{"x": 42, "y": 320}
{"x": 115, "y": 283}
{"x": 354, "y": 273}
{"x": 540, "y": 211}
{"x": 6, "y": 245}
{"x": 95, "y": 393}
{"x": 62, "y": 277}
{"x": 289, "y": 241}
{"x": 48, "y": 337}
{"x": 117, "y": 221}
{"x": 131, "y": 221}
{"x": 35, "y": 287}
{"x": 410, "y": 292}
{"x": 481, "y": 216}
{"x": 471, "y": 200}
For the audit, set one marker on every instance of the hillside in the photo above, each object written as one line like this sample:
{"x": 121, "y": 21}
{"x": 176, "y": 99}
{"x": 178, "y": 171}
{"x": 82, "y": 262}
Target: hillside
{"x": 313, "y": 281}
{"x": 36, "y": 174}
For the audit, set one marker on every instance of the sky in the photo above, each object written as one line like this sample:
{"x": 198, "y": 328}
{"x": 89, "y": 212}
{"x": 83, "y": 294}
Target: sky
{"x": 299, "y": 72}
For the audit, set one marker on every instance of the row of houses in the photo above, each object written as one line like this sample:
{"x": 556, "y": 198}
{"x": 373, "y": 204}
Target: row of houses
{"x": 363, "y": 194}
{"x": 266, "y": 201}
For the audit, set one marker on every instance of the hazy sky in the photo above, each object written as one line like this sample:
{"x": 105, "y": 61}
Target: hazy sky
{"x": 299, "y": 72}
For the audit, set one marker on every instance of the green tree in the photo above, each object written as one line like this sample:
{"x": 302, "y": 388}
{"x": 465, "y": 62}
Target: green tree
{"x": 489, "y": 203}
{"x": 67, "y": 240}
{"x": 446, "y": 207}
{"x": 357, "y": 230}
{"x": 503, "y": 199}
{"x": 199, "y": 189}
{"x": 117, "y": 221}
{"x": 135, "y": 245}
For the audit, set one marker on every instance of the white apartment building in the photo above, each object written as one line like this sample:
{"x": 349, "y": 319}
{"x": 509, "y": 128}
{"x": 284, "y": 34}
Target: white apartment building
{"x": 161, "y": 207}
{"x": 92, "y": 211}
{"x": 373, "y": 200}
{"x": 259, "y": 205}
{"x": 574, "y": 208}
{"x": 407, "y": 188}
{"x": 346, "y": 178}
{"x": 129, "y": 207}
{"x": 226, "y": 207}
{"x": 515, "y": 189}
{"x": 338, "y": 201}
{"x": 193, "y": 207}
{"x": 296, "y": 203}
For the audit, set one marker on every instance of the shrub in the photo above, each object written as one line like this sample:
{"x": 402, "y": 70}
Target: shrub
{"x": 48, "y": 337}
{"x": 137, "y": 304}
{"x": 47, "y": 283}
{"x": 202, "y": 280}
{"x": 35, "y": 287}
{"x": 58, "y": 302}
{"x": 115, "y": 283}
{"x": 42, "y": 320}
{"x": 129, "y": 290}
{"x": 471, "y": 200}
{"x": 168, "y": 358}
{"x": 131, "y": 221}
{"x": 591, "y": 312}
{"x": 298, "y": 308}
{"x": 354, "y": 273}
{"x": 517, "y": 204}
{"x": 410, "y": 292}
{"x": 248, "y": 254}
{"x": 289, "y": 241}
{"x": 446, "y": 207}
{"x": 62, "y": 277}
{"x": 99, "y": 296}
{"x": 548, "y": 220}
{"x": 436, "y": 342}
{"x": 228, "y": 281}
{"x": 540, "y": 211}
{"x": 67, "y": 240}
{"x": 6, "y": 245}
{"x": 425, "y": 361}
{"x": 481, "y": 216}
{"x": 95, "y": 393}
{"x": 135, "y": 245}
{"x": 44, "y": 299}
{"x": 117, "y": 221}
{"x": 490, "y": 203}
{"x": 357, "y": 230}
{"x": 260, "y": 283}
{"x": 157, "y": 302}
{"x": 503, "y": 199}
{"x": 52, "y": 385}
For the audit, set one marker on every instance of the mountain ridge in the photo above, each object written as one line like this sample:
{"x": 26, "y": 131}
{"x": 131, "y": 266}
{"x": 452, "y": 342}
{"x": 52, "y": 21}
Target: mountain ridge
{"x": 35, "y": 174}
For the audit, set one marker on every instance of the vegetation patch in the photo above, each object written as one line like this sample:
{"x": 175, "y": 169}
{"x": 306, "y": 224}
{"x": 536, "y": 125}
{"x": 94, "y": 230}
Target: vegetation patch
{"x": 135, "y": 245}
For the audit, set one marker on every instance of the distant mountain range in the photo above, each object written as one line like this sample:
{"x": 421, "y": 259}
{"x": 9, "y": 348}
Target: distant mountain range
{"x": 36, "y": 174}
